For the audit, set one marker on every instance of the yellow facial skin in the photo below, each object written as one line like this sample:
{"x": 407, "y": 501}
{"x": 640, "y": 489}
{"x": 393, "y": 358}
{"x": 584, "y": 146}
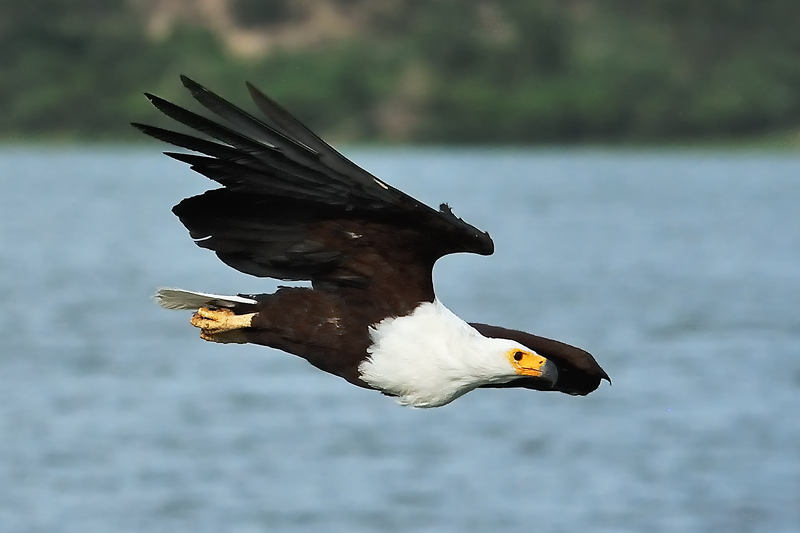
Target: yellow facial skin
{"x": 526, "y": 363}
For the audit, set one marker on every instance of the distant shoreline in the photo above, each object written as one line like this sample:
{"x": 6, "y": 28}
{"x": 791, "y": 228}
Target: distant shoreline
{"x": 784, "y": 141}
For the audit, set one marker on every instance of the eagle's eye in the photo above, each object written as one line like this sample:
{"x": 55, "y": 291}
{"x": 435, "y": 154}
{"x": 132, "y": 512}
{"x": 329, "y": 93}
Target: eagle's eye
{"x": 518, "y": 356}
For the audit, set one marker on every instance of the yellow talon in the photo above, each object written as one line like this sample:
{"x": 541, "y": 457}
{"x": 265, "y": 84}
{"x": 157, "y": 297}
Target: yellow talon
{"x": 216, "y": 321}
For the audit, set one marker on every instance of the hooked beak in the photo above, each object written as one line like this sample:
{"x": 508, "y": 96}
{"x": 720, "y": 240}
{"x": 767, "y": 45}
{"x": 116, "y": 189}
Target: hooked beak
{"x": 541, "y": 369}
{"x": 549, "y": 373}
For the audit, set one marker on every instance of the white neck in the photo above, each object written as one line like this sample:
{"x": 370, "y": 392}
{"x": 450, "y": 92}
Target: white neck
{"x": 431, "y": 357}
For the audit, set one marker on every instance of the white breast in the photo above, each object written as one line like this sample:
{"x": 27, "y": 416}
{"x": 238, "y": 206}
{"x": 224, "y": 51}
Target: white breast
{"x": 431, "y": 357}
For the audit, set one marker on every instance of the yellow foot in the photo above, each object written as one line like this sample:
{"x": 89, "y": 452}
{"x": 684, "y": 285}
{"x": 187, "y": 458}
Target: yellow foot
{"x": 219, "y": 325}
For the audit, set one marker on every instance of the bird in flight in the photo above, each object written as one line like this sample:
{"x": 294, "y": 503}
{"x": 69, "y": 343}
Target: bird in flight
{"x": 291, "y": 207}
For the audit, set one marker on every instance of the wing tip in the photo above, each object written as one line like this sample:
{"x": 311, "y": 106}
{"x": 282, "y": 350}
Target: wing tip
{"x": 192, "y": 85}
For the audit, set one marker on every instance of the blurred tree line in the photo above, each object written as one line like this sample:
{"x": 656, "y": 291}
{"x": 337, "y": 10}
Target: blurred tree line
{"x": 512, "y": 71}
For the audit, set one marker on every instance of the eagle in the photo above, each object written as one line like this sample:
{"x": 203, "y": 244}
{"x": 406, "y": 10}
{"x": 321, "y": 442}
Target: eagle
{"x": 293, "y": 208}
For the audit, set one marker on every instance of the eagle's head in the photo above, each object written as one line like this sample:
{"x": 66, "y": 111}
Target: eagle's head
{"x": 431, "y": 357}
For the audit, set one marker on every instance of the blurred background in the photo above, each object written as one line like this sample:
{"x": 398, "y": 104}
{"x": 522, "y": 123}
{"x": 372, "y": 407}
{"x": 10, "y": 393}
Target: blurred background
{"x": 443, "y": 71}
{"x": 636, "y": 163}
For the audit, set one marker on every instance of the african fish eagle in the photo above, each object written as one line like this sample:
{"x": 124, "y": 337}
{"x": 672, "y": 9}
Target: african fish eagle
{"x": 291, "y": 207}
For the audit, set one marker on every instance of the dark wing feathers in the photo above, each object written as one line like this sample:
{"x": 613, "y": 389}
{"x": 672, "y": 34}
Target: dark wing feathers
{"x": 209, "y": 127}
{"x": 260, "y": 237}
{"x": 290, "y": 148}
{"x": 254, "y": 128}
{"x": 245, "y": 178}
{"x": 294, "y": 208}
{"x": 286, "y": 164}
{"x": 291, "y": 127}
{"x": 203, "y": 146}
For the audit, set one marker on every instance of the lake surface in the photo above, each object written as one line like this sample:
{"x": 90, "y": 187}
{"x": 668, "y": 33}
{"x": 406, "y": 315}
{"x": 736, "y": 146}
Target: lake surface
{"x": 679, "y": 271}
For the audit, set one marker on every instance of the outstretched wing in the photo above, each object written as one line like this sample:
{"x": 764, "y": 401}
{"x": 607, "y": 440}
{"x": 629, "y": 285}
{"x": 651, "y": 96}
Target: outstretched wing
{"x": 294, "y": 208}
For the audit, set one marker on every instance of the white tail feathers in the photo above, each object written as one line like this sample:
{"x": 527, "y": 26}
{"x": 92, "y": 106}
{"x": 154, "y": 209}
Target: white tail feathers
{"x": 192, "y": 301}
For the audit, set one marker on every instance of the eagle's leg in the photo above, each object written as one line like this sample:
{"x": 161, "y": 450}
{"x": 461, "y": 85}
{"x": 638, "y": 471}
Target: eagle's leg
{"x": 221, "y": 325}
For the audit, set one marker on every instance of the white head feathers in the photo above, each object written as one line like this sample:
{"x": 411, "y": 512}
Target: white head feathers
{"x": 431, "y": 357}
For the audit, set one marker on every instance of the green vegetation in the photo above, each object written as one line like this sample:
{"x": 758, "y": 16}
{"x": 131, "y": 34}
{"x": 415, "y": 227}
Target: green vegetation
{"x": 460, "y": 71}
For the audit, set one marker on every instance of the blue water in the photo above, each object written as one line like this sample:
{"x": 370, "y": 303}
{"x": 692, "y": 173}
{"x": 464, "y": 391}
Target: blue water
{"x": 679, "y": 271}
